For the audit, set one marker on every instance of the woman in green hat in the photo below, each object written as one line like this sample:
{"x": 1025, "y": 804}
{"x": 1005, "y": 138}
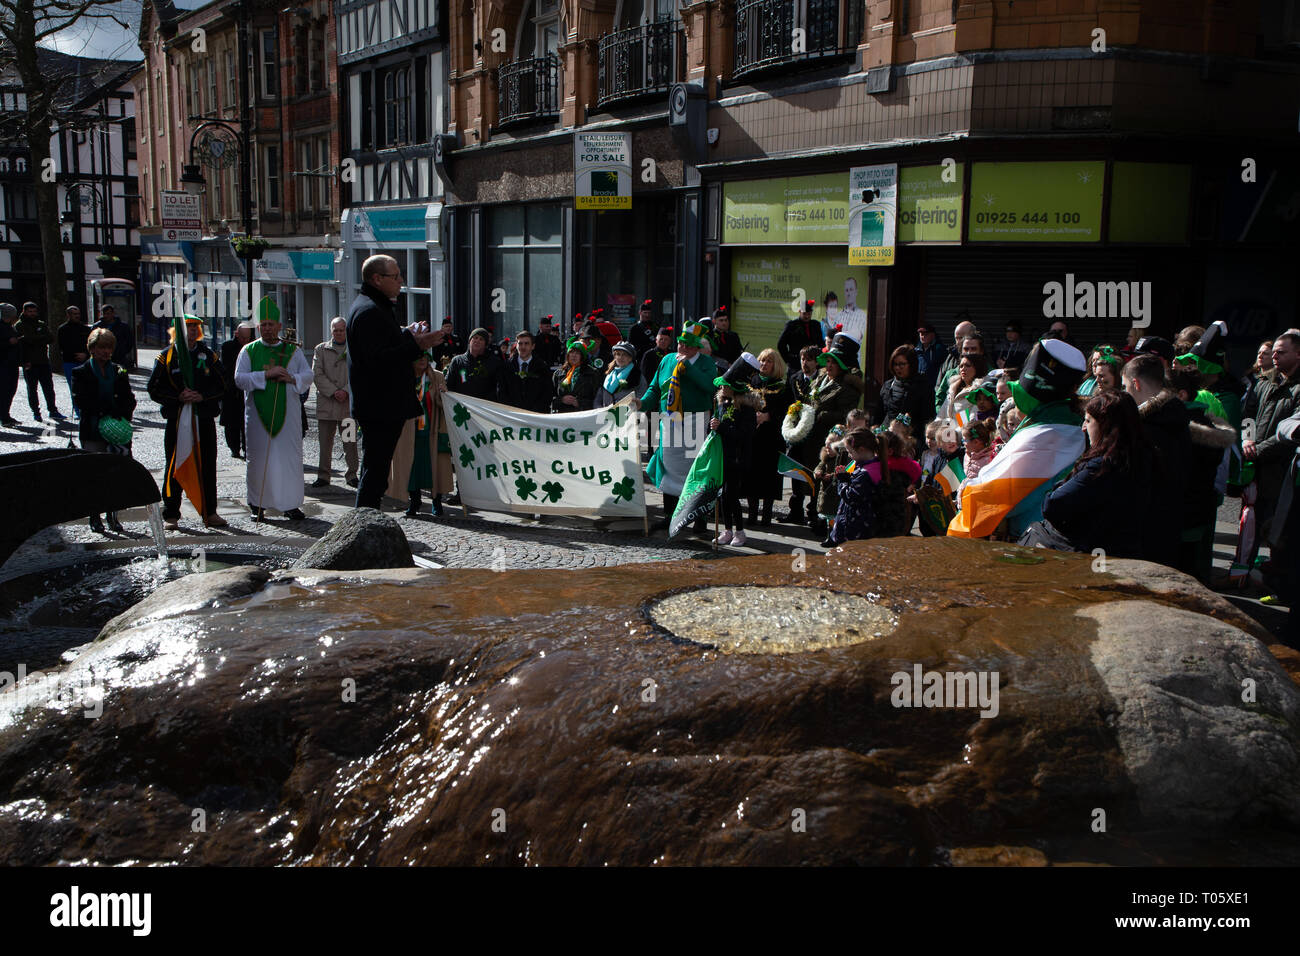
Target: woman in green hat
{"x": 575, "y": 381}
{"x": 102, "y": 390}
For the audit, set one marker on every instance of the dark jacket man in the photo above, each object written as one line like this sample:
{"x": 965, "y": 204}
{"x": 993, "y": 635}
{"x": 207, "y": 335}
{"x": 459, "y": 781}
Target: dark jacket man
{"x": 380, "y": 353}
{"x": 476, "y": 375}
{"x": 643, "y": 331}
{"x": 124, "y": 349}
{"x": 1275, "y": 398}
{"x": 531, "y": 389}
{"x": 1165, "y": 424}
{"x": 380, "y": 356}
{"x": 165, "y": 386}
{"x": 797, "y": 335}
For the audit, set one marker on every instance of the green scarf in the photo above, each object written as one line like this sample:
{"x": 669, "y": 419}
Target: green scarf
{"x": 270, "y": 401}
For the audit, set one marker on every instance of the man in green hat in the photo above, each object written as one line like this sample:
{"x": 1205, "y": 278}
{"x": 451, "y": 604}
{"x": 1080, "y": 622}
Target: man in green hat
{"x": 273, "y": 374}
{"x": 168, "y": 387}
{"x": 682, "y": 391}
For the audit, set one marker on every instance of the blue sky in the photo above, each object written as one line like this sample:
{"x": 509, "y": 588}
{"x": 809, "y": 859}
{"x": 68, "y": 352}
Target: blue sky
{"x": 106, "y": 39}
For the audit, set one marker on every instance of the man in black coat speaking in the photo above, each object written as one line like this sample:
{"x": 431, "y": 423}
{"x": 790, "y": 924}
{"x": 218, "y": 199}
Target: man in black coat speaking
{"x": 380, "y": 353}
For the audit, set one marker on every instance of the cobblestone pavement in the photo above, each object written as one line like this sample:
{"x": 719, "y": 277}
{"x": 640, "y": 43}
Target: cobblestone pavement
{"x": 479, "y": 540}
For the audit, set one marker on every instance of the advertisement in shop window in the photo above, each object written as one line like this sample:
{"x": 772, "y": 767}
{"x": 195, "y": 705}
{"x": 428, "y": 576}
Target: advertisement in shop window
{"x": 873, "y": 208}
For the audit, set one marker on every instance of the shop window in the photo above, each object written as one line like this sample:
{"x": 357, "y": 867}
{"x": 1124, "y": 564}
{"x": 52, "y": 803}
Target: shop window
{"x": 524, "y": 267}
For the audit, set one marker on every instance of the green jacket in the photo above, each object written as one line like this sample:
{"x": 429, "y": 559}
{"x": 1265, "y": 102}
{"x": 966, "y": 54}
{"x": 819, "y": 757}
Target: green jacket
{"x": 697, "y": 384}
{"x": 34, "y": 340}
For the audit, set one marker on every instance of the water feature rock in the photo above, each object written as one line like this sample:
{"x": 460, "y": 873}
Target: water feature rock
{"x": 361, "y": 539}
{"x": 460, "y": 717}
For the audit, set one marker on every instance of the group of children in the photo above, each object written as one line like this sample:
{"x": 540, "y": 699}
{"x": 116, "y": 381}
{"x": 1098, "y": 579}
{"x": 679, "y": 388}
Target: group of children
{"x": 870, "y": 482}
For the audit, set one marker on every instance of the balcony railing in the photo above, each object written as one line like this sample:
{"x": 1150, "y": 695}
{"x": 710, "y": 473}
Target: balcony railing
{"x": 640, "y": 60}
{"x": 528, "y": 89}
{"x": 766, "y": 32}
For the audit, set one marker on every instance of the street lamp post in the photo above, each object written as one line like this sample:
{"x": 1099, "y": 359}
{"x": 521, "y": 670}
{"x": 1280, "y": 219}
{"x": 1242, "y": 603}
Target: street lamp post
{"x": 193, "y": 182}
{"x": 192, "y": 176}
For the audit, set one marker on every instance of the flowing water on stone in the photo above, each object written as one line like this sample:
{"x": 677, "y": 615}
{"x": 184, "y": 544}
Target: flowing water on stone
{"x": 156, "y": 526}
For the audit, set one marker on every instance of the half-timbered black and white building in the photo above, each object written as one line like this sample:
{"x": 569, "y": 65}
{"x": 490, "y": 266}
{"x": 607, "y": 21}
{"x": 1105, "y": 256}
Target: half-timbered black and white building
{"x": 392, "y": 83}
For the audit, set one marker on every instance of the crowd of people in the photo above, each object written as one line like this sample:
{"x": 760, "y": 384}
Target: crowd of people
{"x": 1130, "y": 450}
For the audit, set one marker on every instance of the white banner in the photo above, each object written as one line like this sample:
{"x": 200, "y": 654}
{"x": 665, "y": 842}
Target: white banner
{"x": 578, "y": 463}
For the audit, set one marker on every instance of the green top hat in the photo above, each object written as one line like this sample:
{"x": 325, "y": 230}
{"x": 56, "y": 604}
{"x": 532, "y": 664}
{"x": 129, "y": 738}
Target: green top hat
{"x": 693, "y": 335}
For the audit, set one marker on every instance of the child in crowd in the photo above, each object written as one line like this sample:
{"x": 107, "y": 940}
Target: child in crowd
{"x": 985, "y": 399}
{"x": 889, "y": 504}
{"x": 1009, "y": 418}
{"x": 854, "y": 519}
{"x": 943, "y": 442}
{"x": 832, "y": 458}
{"x": 734, "y": 419}
{"x": 979, "y": 446}
{"x": 901, "y": 426}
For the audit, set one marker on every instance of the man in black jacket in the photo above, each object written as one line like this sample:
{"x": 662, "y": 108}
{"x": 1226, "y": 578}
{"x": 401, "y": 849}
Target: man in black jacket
{"x": 548, "y": 348}
{"x": 476, "y": 371}
{"x": 167, "y": 387}
{"x": 10, "y": 359}
{"x": 124, "y": 351}
{"x": 380, "y": 353}
{"x": 798, "y": 334}
{"x": 643, "y": 333}
{"x": 663, "y": 345}
{"x": 1165, "y": 424}
{"x": 526, "y": 382}
{"x": 232, "y": 402}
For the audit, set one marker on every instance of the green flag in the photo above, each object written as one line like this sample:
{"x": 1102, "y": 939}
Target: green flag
{"x": 182, "y": 346}
{"x": 703, "y": 485}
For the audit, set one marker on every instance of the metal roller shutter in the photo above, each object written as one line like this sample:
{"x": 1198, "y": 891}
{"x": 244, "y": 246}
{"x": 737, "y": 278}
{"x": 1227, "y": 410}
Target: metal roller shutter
{"x": 995, "y": 286}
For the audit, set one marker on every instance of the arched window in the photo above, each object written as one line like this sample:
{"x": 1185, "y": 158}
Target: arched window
{"x": 634, "y": 13}
{"x": 541, "y": 30}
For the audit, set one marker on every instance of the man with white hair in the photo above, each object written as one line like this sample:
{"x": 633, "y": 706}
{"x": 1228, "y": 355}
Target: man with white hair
{"x": 333, "y": 402}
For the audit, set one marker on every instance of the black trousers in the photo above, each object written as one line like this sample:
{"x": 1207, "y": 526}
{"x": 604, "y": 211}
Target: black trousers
{"x": 232, "y": 415}
{"x": 43, "y": 375}
{"x": 8, "y": 389}
{"x": 207, "y": 468}
{"x": 378, "y": 442}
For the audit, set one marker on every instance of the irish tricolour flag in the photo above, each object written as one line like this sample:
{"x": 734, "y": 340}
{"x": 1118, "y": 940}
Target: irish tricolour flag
{"x": 787, "y": 466}
{"x": 184, "y": 467}
{"x": 1036, "y": 453}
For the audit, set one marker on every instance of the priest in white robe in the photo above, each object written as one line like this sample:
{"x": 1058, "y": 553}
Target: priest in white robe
{"x": 274, "y": 375}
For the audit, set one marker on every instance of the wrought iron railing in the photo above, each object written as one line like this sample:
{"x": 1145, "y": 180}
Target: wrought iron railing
{"x": 643, "y": 59}
{"x": 772, "y": 33}
{"x": 528, "y": 89}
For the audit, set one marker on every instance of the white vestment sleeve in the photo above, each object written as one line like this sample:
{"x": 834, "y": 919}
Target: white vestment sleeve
{"x": 245, "y": 378}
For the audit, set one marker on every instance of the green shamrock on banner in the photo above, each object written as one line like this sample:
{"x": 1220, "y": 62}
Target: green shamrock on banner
{"x": 624, "y": 489}
{"x": 617, "y": 412}
{"x": 460, "y": 414}
{"x": 554, "y": 491}
{"x": 525, "y": 487}
{"x": 466, "y": 457}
